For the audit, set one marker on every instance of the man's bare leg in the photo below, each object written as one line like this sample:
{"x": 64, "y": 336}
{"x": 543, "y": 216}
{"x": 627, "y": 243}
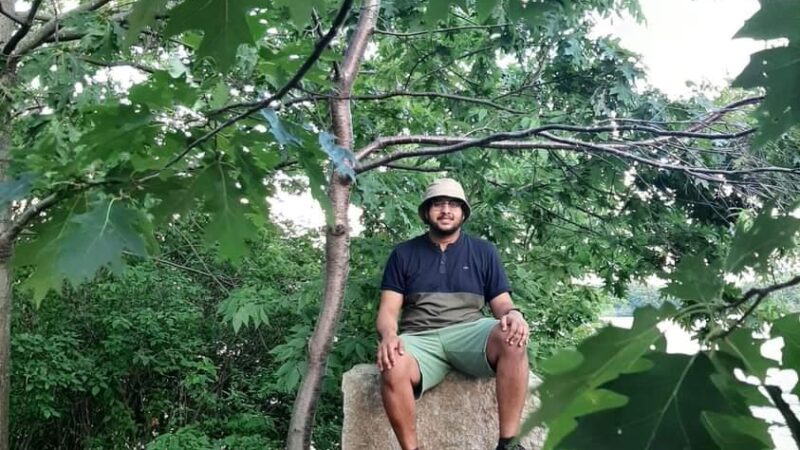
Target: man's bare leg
{"x": 397, "y": 391}
{"x": 510, "y": 362}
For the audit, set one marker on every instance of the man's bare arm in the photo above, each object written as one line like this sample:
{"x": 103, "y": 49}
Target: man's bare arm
{"x": 386, "y": 324}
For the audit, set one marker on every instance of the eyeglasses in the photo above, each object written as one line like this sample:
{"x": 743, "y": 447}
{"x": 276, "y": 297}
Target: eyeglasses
{"x": 452, "y": 204}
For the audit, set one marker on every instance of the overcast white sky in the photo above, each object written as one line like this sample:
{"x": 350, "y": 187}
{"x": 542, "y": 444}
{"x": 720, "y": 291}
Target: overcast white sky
{"x": 688, "y": 40}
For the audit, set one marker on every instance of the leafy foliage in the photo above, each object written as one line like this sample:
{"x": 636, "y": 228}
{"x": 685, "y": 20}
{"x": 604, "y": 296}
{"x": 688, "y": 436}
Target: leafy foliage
{"x": 776, "y": 69}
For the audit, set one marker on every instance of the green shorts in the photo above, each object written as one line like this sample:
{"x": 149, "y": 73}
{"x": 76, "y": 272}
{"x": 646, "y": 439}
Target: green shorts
{"x": 461, "y": 347}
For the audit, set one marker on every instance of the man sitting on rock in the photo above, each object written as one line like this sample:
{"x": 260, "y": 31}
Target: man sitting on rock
{"x": 440, "y": 282}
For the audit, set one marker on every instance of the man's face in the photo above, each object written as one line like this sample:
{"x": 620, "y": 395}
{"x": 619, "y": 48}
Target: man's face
{"x": 445, "y": 215}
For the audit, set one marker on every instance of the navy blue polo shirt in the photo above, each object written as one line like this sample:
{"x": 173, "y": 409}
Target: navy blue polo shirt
{"x": 442, "y": 288}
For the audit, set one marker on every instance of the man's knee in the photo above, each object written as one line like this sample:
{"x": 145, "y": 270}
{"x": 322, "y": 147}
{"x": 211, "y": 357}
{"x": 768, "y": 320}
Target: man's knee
{"x": 499, "y": 347}
{"x": 403, "y": 372}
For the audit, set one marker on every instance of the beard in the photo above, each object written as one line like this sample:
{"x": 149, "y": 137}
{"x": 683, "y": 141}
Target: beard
{"x": 437, "y": 230}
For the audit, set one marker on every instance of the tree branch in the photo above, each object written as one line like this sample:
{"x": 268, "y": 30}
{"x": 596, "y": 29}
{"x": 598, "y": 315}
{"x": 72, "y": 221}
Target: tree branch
{"x": 11, "y": 16}
{"x": 663, "y": 135}
{"x": 776, "y": 395}
{"x": 417, "y": 169}
{"x": 315, "y": 96}
{"x": 505, "y": 140}
{"x": 24, "y": 29}
{"x": 43, "y": 33}
{"x": 441, "y": 30}
{"x": 291, "y": 84}
{"x": 760, "y": 294}
{"x": 20, "y": 222}
{"x": 133, "y": 64}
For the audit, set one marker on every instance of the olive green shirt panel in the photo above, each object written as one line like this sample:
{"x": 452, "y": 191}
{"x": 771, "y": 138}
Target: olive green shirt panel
{"x": 431, "y": 310}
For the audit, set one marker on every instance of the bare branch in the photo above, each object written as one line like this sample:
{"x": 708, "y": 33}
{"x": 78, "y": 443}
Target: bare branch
{"x": 418, "y": 169}
{"x": 133, "y": 64}
{"x": 24, "y": 29}
{"x": 291, "y": 84}
{"x": 27, "y": 216}
{"x": 43, "y": 33}
{"x": 760, "y": 294}
{"x": 315, "y": 96}
{"x": 383, "y": 96}
{"x": 11, "y": 16}
{"x": 441, "y": 30}
{"x": 505, "y": 140}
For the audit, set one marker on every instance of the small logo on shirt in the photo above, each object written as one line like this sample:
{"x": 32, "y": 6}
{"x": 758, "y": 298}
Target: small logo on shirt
{"x": 465, "y": 267}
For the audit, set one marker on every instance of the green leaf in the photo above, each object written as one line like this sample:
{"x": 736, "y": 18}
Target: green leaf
{"x": 789, "y": 329}
{"x": 99, "y": 238}
{"x": 223, "y": 23}
{"x": 162, "y": 90}
{"x": 115, "y": 130}
{"x": 230, "y": 226}
{"x": 485, "y": 8}
{"x": 775, "y": 19}
{"x": 606, "y": 355}
{"x": 343, "y": 159}
{"x": 740, "y": 396}
{"x": 436, "y": 11}
{"x": 592, "y": 402}
{"x": 317, "y": 182}
{"x": 753, "y": 246}
{"x": 737, "y": 432}
{"x": 533, "y": 13}
{"x": 16, "y": 189}
{"x": 777, "y": 70}
{"x": 694, "y": 280}
{"x": 747, "y": 350}
{"x": 561, "y": 362}
{"x": 220, "y": 95}
{"x": 142, "y": 14}
{"x": 663, "y": 409}
{"x": 282, "y": 135}
{"x": 300, "y": 10}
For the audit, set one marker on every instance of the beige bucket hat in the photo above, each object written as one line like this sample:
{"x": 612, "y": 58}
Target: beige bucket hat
{"x": 443, "y": 187}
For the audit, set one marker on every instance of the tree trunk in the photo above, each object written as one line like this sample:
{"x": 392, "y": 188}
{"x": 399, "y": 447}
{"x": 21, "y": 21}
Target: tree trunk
{"x": 337, "y": 241}
{"x": 7, "y": 29}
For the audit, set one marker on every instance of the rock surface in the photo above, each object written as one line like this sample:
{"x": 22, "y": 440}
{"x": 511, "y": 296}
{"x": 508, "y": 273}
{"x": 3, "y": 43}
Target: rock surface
{"x": 460, "y": 413}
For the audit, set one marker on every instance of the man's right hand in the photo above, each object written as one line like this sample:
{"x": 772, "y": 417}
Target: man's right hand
{"x": 389, "y": 349}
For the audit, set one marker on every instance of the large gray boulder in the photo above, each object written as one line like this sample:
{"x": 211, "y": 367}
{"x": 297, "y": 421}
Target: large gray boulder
{"x": 460, "y": 413}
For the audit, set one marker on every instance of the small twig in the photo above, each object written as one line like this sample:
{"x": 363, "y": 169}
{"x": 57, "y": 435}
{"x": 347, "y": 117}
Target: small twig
{"x": 763, "y": 292}
{"x": 760, "y": 294}
{"x": 315, "y": 96}
{"x": 418, "y": 169}
{"x": 32, "y": 212}
{"x": 24, "y": 29}
{"x": 11, "y": 16}
{"x": 427, "y": 94}
{"x": 441, "y": 30}
{"x": 203, "y": 262}
{"x": 133, "y": 64}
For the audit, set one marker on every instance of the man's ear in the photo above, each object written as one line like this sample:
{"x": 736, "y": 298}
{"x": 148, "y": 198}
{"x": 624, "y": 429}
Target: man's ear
{"x": 427, "y": 216}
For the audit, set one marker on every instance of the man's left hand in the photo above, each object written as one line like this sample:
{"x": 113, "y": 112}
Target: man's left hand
{"x": 516, "y": 328}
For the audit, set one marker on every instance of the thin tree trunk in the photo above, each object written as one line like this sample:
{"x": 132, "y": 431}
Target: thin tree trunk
{"x": 337, "y": 241}
{"x": 6, "y": 31}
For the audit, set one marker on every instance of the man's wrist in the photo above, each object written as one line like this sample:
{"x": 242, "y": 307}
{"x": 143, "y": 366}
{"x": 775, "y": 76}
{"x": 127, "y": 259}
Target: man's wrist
{"x": 514, "y": 309}
{"x": 383, "y": 336}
